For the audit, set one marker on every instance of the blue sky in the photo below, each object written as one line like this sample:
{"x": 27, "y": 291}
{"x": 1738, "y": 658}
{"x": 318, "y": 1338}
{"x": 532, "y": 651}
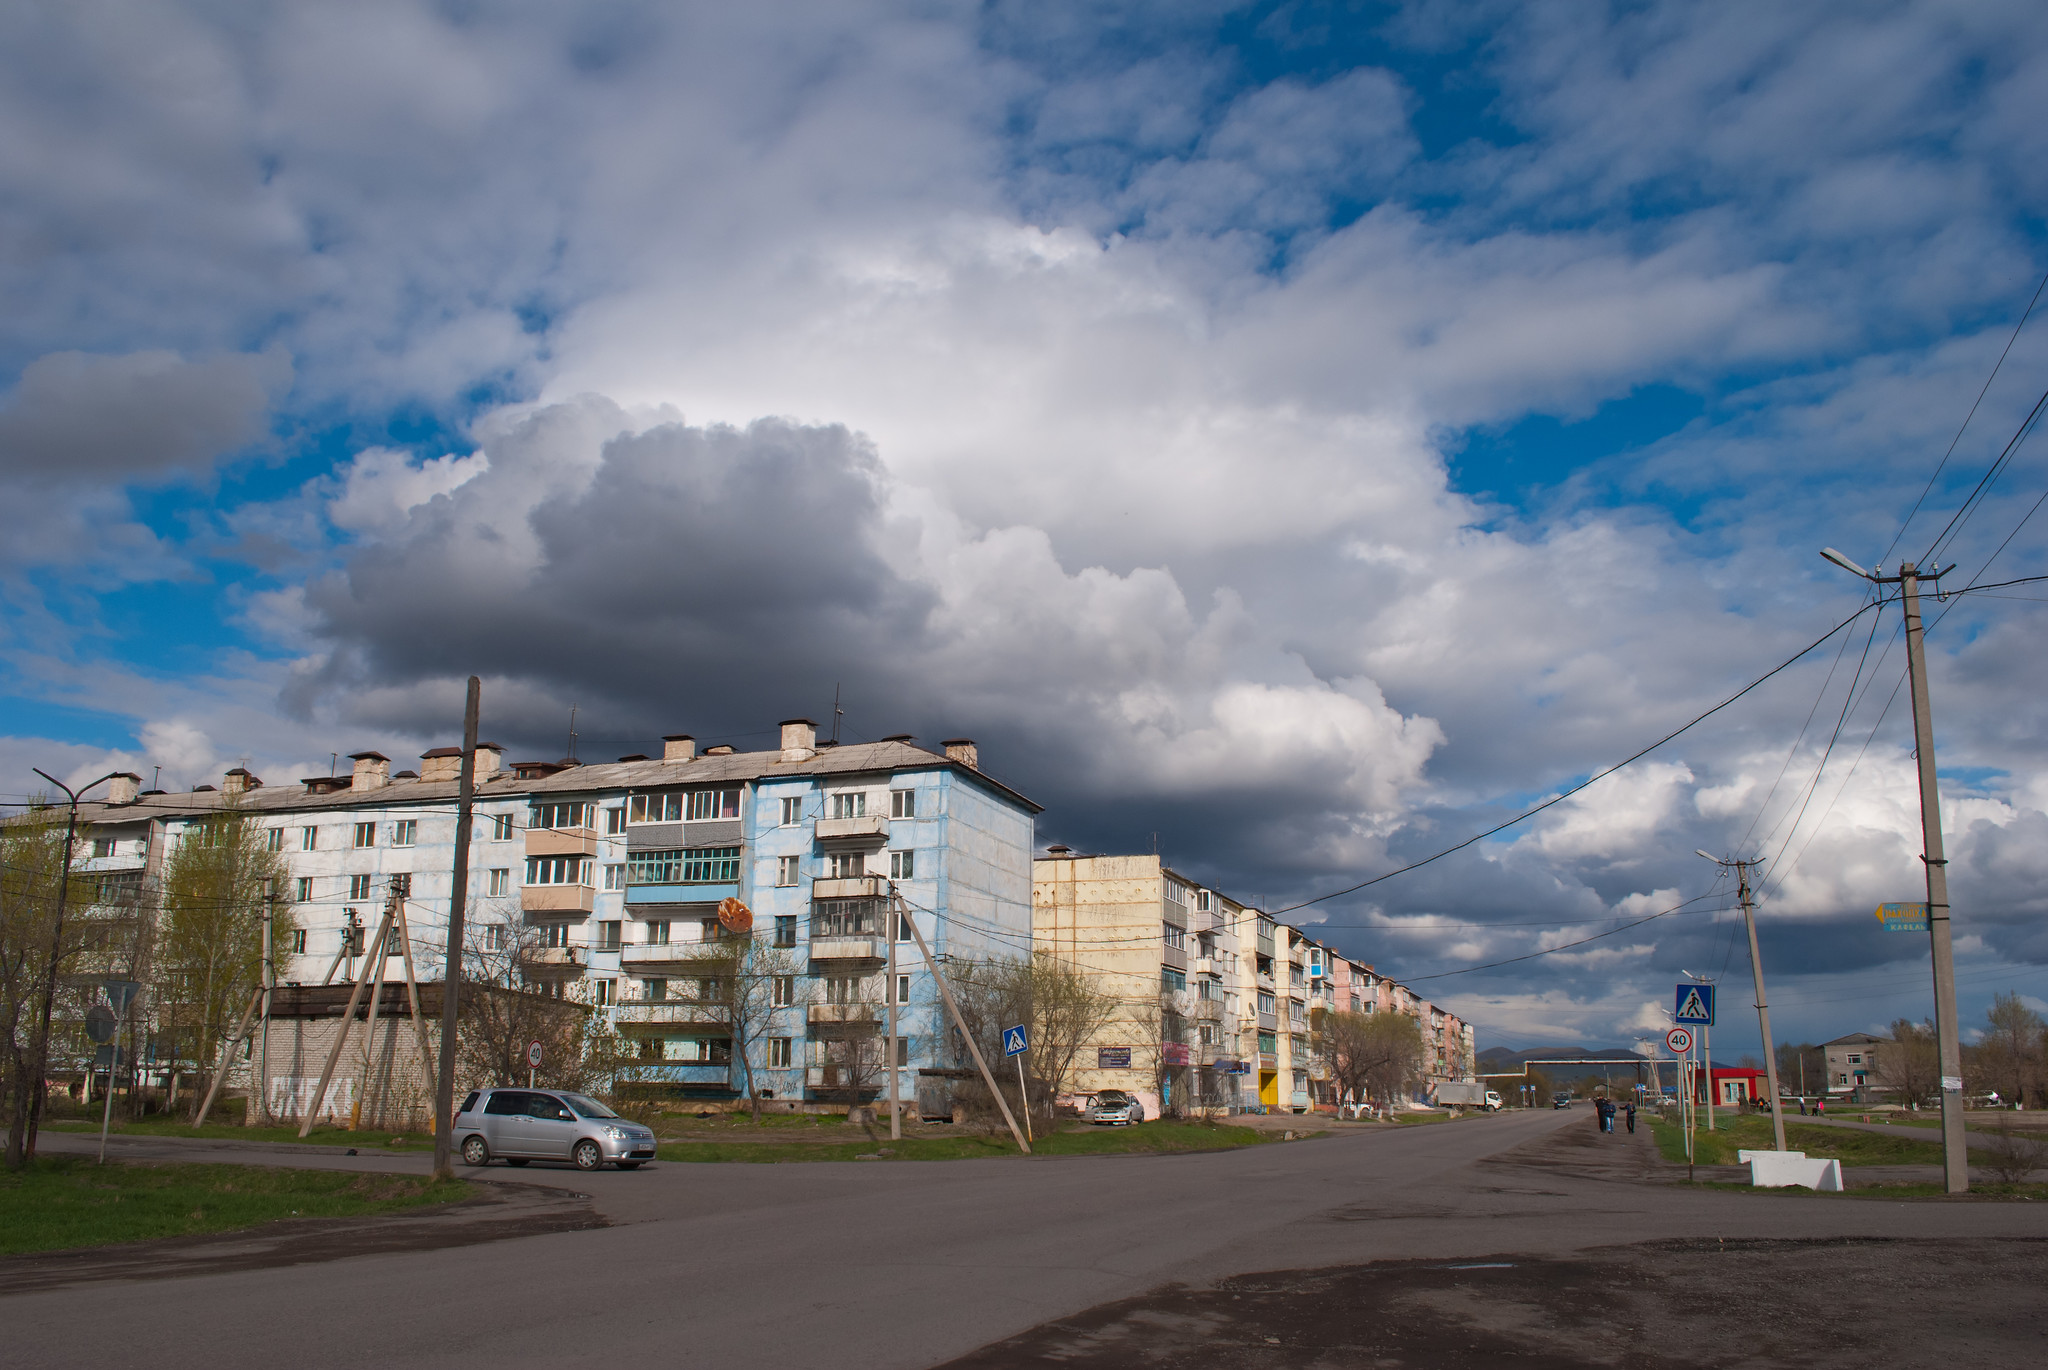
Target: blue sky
{"x": 1306, "y": 432}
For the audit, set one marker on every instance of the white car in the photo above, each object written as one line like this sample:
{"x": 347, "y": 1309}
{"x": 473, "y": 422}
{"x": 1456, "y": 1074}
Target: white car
{"x": 1114, "y": 1108}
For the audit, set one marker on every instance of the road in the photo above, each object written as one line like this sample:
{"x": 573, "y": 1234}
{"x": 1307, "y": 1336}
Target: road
{"x": 904, "y": 1265}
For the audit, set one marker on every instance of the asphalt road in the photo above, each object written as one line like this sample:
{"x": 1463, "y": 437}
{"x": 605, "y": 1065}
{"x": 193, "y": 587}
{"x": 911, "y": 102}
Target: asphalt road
{"x": 905, "y": 1265}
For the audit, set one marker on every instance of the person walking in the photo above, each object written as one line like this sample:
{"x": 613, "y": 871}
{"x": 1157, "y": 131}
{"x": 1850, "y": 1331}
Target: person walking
{"x": 1599, "y": 1114}
{"x": 1631, "y": 1117}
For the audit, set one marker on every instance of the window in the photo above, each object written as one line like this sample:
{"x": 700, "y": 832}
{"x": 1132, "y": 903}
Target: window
{"x": 1206, "y": 988}
{"x": 494, "y": 937}
{"x": 853, "y": 805}
{"x": 499, "y": 881}
{"x": 792, "y": 810}
{"x": 903, "y": 989}
{"x": 843, "y": 989}
{"x": 615, "y": 877}
{"x": 786, "y": 869}
{"x": 902, "y": 1051}
{"x": 501, "y": 828}
{"x": 903, "y": 803}
{"x": 707, "y": 930}
{"x": 655, "y": 808}
{"x": 710, "y": 990}
{"x": 359, "y": 887}
{"x": 305, "y": 889}
{"x": 554, "y": 934}
{"x": 1267, "y": 1003}
{"x": 298, "y": 941}
{"x": 903, "y": 933}
{"x": 847, "y": 865}
{"x": 903, "y": 865}
{"x": 366, "y": 834}
{"x": 557, "y": 870}
{"x": 1177, "y": 938}
{"x": 275, "y": 842}
{"x": 714, "y": 804}
{"x": 1203, "y": 902}
{"x": 845, "y": 918}
{"x": 778, "y": 1053}
{"x": 1855, "y": 1060}
{"x": 560, "y": 815}
{"x": 784, "y": 990}
{"x": 785, "y": 929}
{"x": 405, "y": 832}
{"x": 615, "y": 820}
{"x": 601, "y": 992}
{"x": 654, "y": 991}
{"x": 657, "y": 932}
{"x": 1294, "y": 1012}
{"x": 698, "y": 866}
{"x": 309, "y": 838}
{"x": 1206, "y": 1035}
{"x": 1171, "y": 979}
{"x": 1268, "y": 1043}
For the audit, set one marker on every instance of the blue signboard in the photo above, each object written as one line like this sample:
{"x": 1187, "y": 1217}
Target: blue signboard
{"x": 1695, "y": 1005}
{"x": 1902, "y": 917}
{"x": 1014, "y": 1041}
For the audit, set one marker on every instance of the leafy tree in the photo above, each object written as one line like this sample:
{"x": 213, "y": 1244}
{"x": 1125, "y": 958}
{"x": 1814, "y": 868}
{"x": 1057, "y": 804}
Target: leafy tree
{"x": 1910, "y": 1063}
{"x": 209, "y": 946}
{"x": 2009, "y": 1055}
{"x": 31, "y": 869}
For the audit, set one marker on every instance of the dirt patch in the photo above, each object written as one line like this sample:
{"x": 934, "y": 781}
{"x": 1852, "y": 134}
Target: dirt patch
{"x": 501, "y": 1212}
{"x": 1686, "y": 1305}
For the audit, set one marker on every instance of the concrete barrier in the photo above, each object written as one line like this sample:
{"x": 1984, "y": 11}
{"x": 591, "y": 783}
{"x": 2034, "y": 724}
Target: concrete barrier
{"x": 1782, "y": 1169}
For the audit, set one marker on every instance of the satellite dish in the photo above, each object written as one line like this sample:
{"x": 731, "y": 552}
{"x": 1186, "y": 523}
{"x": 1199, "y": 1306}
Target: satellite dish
{"x": 734, "y": 916}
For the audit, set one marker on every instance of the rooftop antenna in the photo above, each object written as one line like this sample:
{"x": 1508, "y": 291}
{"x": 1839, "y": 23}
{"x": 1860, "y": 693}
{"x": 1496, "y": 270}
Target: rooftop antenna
{"x": 836, "y": 712}
{"x": 572, "y": 732}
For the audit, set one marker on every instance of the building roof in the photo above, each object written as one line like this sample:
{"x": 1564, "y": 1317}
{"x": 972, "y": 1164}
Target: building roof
{"x": 1855, "y": 1039}
{"x": 847, "y": 759}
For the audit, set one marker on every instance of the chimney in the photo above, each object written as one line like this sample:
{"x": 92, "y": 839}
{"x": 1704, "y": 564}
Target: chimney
{"x": 678, "y": 747}
{"x": 720, "y": 750}
{"x": 123, "y": 788}
{"x": 442, "y": 763}
{"x": 373, "y": 769}
{"x": 963, "y": 751}
{"x": 799, "y": 740}
{"x": 238, "y": 780}
{"x": 490, "y": 759}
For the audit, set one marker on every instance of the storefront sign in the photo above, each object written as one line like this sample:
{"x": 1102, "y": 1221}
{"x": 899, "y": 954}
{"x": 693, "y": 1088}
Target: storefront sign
{"x": 1112, "y": 1058}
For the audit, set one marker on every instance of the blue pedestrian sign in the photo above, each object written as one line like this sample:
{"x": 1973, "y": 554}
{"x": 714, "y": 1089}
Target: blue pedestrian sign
{"x": 1695, "y": 1005}
{"x": 1015, "y": 1043}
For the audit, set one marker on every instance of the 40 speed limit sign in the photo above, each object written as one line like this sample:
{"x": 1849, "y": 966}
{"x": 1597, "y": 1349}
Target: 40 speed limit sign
{"x": 1679, "y": 1040}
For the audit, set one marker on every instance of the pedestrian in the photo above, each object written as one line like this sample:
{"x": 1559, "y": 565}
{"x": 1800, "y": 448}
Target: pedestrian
{"x": 1802, "y": 1108}
{"x": 1820, "y": 1108}
{"x": 1631, "y": 1117}
{"x": 1599, "y": 1114}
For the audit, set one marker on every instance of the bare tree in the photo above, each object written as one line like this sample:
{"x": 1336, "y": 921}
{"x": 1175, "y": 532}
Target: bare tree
{"x": 1371, "y": 1056}
{"x": 1910, "y": 1063}
{"x": 506, "y": 1004}
{"x": 1063, "y": 1008}
{"x": 31, "y": 868}
{"x": 2009, "y": 1053}
{"x": 759, "y": 974}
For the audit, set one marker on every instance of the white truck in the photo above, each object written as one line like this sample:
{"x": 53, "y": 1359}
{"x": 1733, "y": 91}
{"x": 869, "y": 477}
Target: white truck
{"x": 1455, "y": 1094}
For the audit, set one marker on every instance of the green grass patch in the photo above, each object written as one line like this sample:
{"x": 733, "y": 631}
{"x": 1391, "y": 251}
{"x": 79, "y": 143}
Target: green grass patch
{"x": 322, "y": 1135}
{"x": 62, "y": 1202}
{"x": 1847, "y": 1145}
{"x": 1143, "y": 1139}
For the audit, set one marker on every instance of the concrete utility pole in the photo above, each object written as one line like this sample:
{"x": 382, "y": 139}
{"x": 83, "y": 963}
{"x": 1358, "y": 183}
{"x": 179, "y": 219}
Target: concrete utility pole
{"x": 895, "y": 1102}
{"x": 1763, "y": 1010}
{"x": 1954, "y": 1146}
{"x": 451, "y": 975}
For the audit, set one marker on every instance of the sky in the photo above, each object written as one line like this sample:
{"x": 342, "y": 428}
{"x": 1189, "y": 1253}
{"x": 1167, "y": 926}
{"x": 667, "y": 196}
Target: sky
{"x": 1293, "y": 437}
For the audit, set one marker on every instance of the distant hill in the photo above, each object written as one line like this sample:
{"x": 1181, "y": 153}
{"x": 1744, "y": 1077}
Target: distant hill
{"x": 1501, "y": 1058}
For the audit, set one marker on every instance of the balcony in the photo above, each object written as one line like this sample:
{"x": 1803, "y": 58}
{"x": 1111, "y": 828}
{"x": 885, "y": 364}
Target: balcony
{"x": 1207, "y": 1011}
{"x": 1269, "y": 1022}
{"x": 849, "y": 949}
{"x": 1176, "y": 957}
{"x": 849, "y": 1017}
{"x": 671, "y": 1012}
{"x": 553, "y": 962}
{"x": 649, "y": 955}
{"x": 680, "y": 894}
{"x": 855, "y": 887}
{"x": 1268, "y": 1061}
{"x": 871, "y": 828}
{"x": 557, "y": 898}
{"x": 561, "y": 842}
{"x": 1207, "y": 965}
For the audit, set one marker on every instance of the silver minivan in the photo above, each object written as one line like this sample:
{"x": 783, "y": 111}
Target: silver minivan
{"x": 521, "y": 1125}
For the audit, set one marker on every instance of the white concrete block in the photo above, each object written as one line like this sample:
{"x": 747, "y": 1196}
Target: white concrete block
{"x": 1781, "y": 1169}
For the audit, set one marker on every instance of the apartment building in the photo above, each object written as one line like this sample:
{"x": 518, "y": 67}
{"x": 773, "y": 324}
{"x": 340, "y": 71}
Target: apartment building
{"x": 608, "y": 877}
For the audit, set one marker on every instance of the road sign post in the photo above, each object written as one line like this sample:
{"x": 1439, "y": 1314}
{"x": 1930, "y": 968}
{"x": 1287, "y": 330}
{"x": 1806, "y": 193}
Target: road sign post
{"x": 533, "y": 1059}
{"x": 1016, "y": 1041}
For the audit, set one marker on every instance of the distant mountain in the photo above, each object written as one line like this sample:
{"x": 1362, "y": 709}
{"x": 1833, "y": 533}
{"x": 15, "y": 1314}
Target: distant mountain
{"x": 1501, "y": 1058}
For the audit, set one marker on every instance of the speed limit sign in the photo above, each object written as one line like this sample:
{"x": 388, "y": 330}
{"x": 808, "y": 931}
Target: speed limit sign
{"x": 1678, "y": 1040}
{"x": 533, "y": 1054}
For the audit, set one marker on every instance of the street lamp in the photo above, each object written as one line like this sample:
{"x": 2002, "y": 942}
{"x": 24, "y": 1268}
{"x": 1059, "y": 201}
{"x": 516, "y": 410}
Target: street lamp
{"x": 30, "y": 1110}
{"x": 1955, "y": 1152}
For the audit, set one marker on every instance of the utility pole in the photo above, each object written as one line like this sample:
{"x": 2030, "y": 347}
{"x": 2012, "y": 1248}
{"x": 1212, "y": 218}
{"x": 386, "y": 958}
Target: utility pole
{"x": 1954, "y": 1146}
{"x": 895, "y": 1103}
{"x": 451, "y": 975}
{"x": 1763, "y": 1009}
{"x": 28, "y": 1110}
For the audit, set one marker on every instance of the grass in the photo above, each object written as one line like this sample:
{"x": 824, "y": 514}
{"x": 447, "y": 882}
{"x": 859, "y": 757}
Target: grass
{"x": 63, "y": 1202}
{"x": 322, "y": 1135}
{"x": 1145, "y": 1138}
{"x": 1846, "y": 1145}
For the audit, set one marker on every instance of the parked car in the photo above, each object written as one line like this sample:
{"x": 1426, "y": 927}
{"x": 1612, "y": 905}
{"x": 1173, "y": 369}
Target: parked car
{"x": 1114, "y": 1108}
{"x": 521, "y": 1125}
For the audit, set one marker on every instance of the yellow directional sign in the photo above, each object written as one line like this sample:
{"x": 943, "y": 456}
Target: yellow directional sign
{"x": 1903, "y": 917}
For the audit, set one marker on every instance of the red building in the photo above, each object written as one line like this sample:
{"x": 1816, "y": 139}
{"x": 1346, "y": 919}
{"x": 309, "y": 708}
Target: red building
{"x": 1735, "y": 1085}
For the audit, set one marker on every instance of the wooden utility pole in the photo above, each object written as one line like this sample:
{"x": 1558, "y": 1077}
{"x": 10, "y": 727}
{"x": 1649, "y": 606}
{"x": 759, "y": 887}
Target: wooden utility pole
{"x": 451, "y": 976}
{"x": 348, "y": 1019}
{"x": 946, "y": 993}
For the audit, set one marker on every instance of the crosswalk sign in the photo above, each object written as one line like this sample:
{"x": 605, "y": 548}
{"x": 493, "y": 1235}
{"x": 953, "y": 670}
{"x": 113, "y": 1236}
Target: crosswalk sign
{"x": 1695, "y": 1005}
{"x": 1015, "y": 1043}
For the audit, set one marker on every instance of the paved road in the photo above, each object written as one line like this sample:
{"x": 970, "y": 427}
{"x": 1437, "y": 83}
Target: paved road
{"x": 904, "y": 1265}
